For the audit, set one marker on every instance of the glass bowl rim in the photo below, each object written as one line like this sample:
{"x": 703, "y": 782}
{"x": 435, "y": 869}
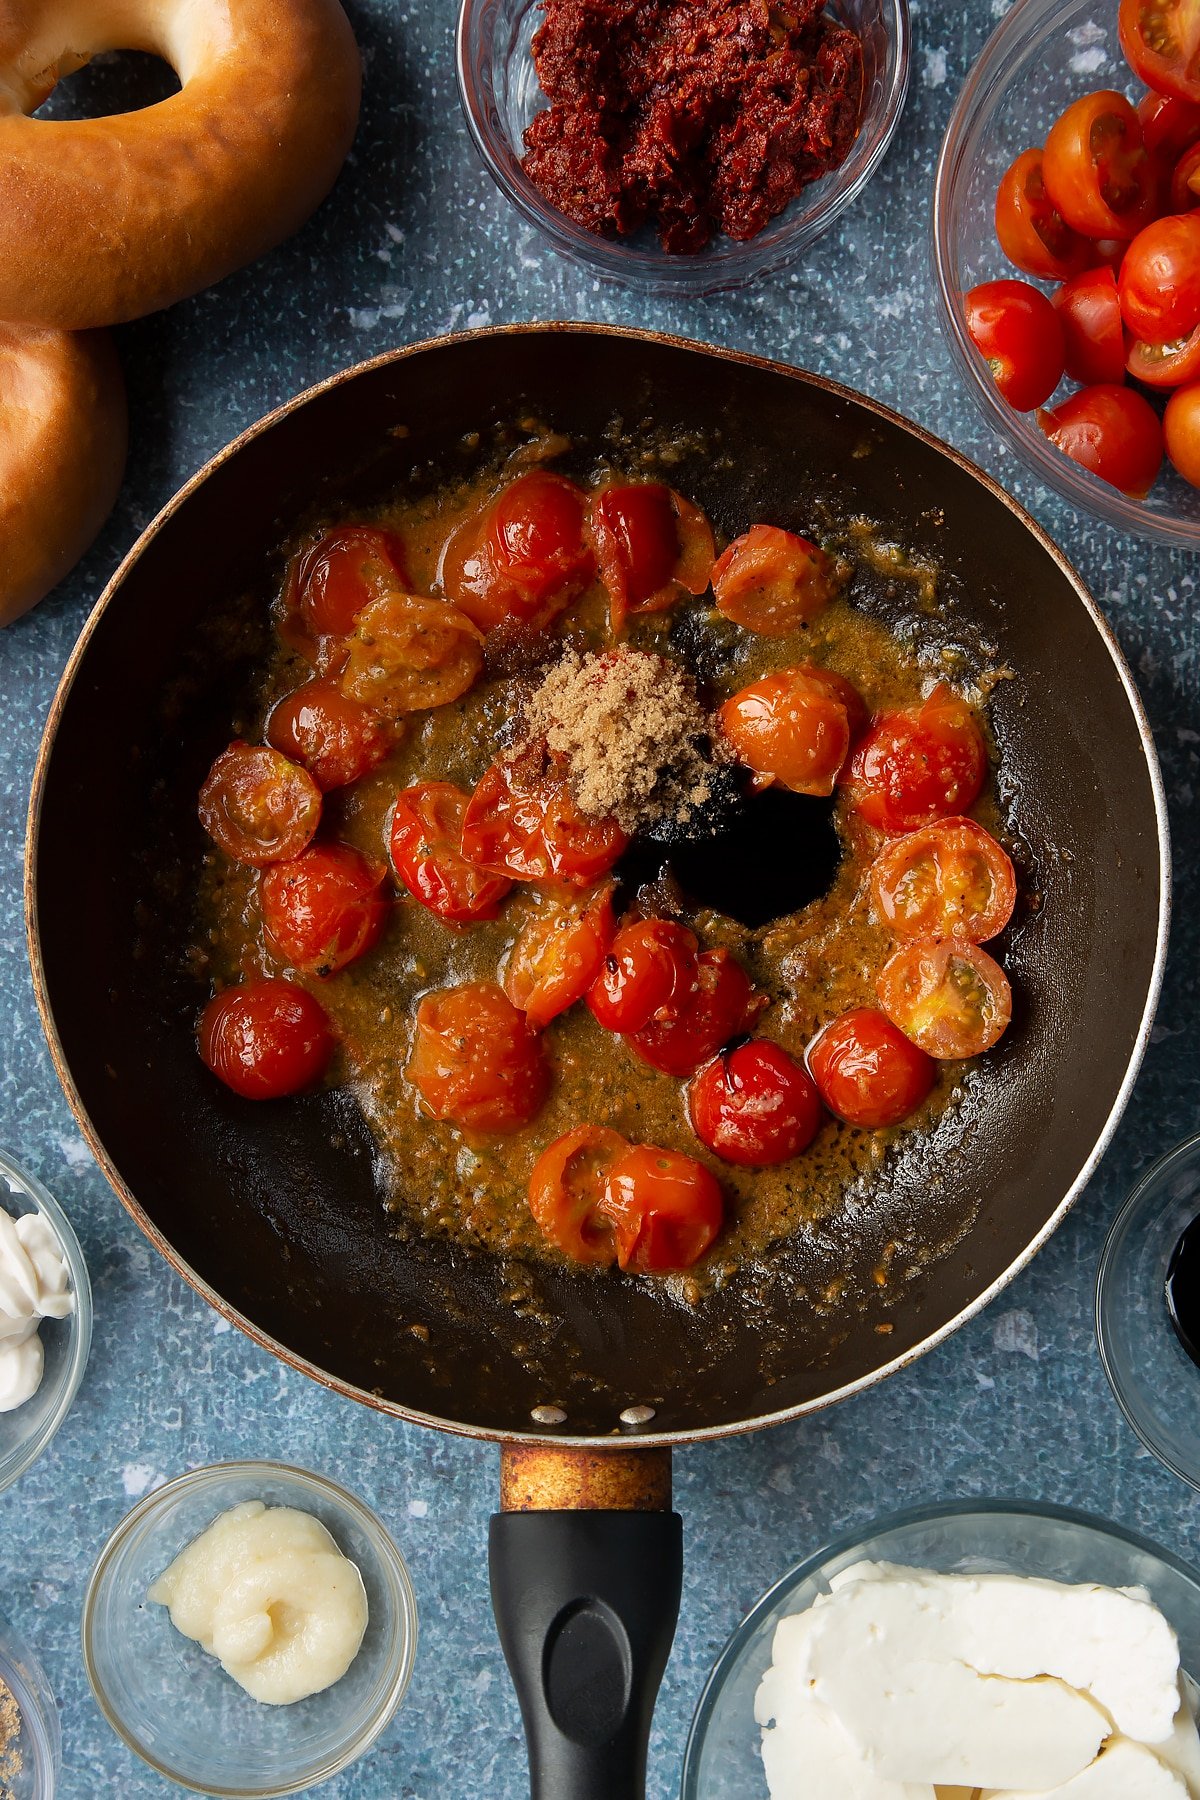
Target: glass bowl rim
{"x": 211, "y": 1475}
{"x": 35, "y": 1701}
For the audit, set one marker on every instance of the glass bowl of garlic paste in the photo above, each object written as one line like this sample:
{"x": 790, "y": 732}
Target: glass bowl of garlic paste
{"x": 1054, "y": 1545}
{"x": 217, "y": 1606}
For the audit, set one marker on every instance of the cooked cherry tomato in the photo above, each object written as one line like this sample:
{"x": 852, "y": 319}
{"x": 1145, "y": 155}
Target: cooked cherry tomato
{"x": 559, "y": 954}
{"x": 951, "y": 879}
{"x": 772, "y": 581}
{"x": 1096, "y": 169}
{"x": 1161, "y": 41}
{"x": 754, "y": 1104}
{"x": 1093, "y": 338}
{"x": 257, "y": 806}
{"x": 1112, "y": 431}
{"x": 1032, "y": 232}
{"x": 1160, "y": 280}
{"x": 925, "y": 763}
{"x": 343, "y": 572}
{"x": 475, "y": 1061}
{"x": 1018, "y": 334}
{"x": 567, "y": 1190}
{"x": 1185, "y": 181}
{"x": 666, "y": 1210}
{"x": 789, "y": 729}
{"x": 265, "y": 1039}
{"x": 1181, "y": 429}
{"x": 333, "y": 737}
{"x": 522, "y": 821}
{"x": 649, "y": 969}
{"x": 323, "y": 908}
{"x": 407, "y": 654}
{"x": 523, "y": 557}
{"x": 868, "y": 1072}
{"x": 1169, "y": 125}
{"x": 719, "y": 1006}
{"x": 425, "y": 843}
{"x": 1165, "y": 365}
{"x": 652, "y": 546}
{"x": 952, "y": 999}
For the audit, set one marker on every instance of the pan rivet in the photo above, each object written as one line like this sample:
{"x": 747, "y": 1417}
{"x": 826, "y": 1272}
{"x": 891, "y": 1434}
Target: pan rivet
{"x": 548, "y": 1415}
{"x": 637, "y": 1415}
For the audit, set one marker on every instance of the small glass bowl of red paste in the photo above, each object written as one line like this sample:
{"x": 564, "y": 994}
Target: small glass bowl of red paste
{"x": 502, "y": 95}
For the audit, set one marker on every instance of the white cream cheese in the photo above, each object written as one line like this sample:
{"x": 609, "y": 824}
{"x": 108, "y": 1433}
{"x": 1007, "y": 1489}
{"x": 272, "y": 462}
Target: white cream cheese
{"x": 34, "y": 1285}
{"x": 268, "y": 1593}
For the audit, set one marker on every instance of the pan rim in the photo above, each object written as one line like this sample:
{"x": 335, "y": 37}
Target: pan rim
{"x": 642, "y": 1437}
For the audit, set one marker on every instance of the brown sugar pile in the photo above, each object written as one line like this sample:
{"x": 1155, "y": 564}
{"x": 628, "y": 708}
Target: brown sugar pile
{"x": 11, "y": 1761}
{"x": 638, "y": 745}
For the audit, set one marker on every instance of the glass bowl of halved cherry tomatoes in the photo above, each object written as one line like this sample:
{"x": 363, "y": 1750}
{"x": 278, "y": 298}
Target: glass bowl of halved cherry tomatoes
{"x": 1067, "y": 249}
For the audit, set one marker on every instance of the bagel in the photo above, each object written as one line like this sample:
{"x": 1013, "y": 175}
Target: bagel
{"x": 103, "y": 220}
{"x": 62, "y": 455}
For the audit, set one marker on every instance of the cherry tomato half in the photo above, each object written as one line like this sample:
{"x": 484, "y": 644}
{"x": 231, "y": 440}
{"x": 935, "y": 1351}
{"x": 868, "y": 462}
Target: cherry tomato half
{"x": 1169, "y": 125}
{"x": 789, "y": 729}
{"x": 344, "y": 571}
{"x": 522, "y": 821}
{"x": 772, "y": 581}
{"x": 666, "y": 1210}
{"x": 868, "y": 1072}
{"x": 720, "y": 1006}
{"x": 523, "y": 557}
{"x": 913, "y": 767}
{"x": 425, "y": 844}
{"x": 1096, "y": 169}
{"x": 1181, "y": 429}
{"x": 650, "y": 969}
{"x": 652, "y": 546}
{"x": 323, "y": 908}
{"x": 1018, "y": 333}
{"x": 951, "y": 879}
{"x": 1032, "y": 232}
{"x": 559, "y": 954}
{"x": 1165, "y": 365}
{"x": 951, "y": 999}
{"x": 407, "y": 654}
{"x": 1159, "y": 284}
{"x": 475, "y": 1061}
{"x": 1161, "y": 41}
{"x": 257, "y": 806}
{"x": 333, "y": 737}
{"x": 567, "y": 1189}
{"x": 1093, "y": 336}
{"x": 754, "y": 1104}
{"x": 1112, "y": 431}
{"x": 265, "y": 1039}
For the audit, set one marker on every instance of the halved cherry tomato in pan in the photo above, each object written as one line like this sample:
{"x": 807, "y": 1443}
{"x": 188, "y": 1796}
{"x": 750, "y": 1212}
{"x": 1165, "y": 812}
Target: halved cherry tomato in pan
{"x": 1020, "y": 337}
{"x": 257, "y": 805}
{"x": 652, "y": 546}
{"x": 558, "y": 955}
{"x": 1033, "y": 233}
{"x": 1161, "y": 41}
{"x": 790, "y": 729}
{"x": 475, "y": 1061}
{"x": 522, "y": 821}
{"x": 754, "y": 1104}
{"x": 407, "y": 654}
{"x": 344, "y": 571}
{"x": 925, "y": 763}
{"x": 265, "y": 1039}
{"x": 335, "y": 738}
{"x": 1093, "y": 335}
{"x": 649, "y": 969}
{"x": 720, "y": 1005}
{"x": 567, "y": 1188}
{"x": 666, "y": 1209}
{"x": 1165, "y": 365}
{"x": 951, "y": 999}
{"x": 772, "y": 582}
{"x": 1181, "y": 430}
{"x": 1159, "y": 285}
{"x": 868, "y": 1072}
{"x": 951, "y": 879}
{"x": 1112, "y": 431}
{"x": 523, "y": 557}
{"x": 425, "y": 843}
{"x": 1096, "y": 169}
{"x": 323, "y": 909}
{"x": 1185, "y": 181}
{"x": 1169, "y": 125}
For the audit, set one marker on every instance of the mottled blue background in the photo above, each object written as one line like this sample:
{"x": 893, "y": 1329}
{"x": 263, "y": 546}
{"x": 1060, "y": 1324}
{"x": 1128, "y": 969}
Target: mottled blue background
{"x": 415, "y": 241}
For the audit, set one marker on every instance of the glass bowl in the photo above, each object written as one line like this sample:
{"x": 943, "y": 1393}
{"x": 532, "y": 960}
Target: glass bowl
{"x": 1043, "y": 54}
{"x": 38, "y": 1744}
{"x": 174, "y": 1704}
{"x": 1156, "y": 1383}
{"x": 723, "y": 1761}
{"x": 500, "y": 94}
{"x": 25, "y": 1433}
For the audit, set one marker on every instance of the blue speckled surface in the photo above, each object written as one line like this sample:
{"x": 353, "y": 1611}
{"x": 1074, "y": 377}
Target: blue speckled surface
{"x": 416, "y": 242}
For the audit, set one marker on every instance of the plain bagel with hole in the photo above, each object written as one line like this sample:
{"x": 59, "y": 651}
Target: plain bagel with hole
{"x": 103, "y": 220}
{"x": 62, "y": 455}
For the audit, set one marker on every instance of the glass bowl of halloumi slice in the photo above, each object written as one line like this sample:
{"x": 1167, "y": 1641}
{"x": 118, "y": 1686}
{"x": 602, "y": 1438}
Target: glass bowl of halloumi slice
{"x": 995, "y": 1651}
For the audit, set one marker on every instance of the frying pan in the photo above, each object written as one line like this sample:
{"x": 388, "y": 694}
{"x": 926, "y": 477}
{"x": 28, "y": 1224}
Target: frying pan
{"x": 272, "y": 1212}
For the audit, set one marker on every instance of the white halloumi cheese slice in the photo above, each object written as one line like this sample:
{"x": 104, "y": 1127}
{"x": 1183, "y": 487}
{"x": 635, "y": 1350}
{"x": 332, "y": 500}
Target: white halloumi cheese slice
{"x": 1123, "y": 1771}
{"x": 807, "y": 1753}
{"x": 1181, "y": 1752}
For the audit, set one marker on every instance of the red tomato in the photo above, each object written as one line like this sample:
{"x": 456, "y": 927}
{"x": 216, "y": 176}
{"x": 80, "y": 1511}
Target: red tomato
{"x": 475, "y": 1061}
{"x": 1096, "y": 169}
{"x": 719, "y": 1006}
{"x": 1018, "y": 333}
{"x": 425, "y": 842}
{"x": 265, "y": 1039}
{"x": 1165, "y": 365}
{"x": 407, "y": 654}
{"x": 666, "y": 1210}
{"x": 754, "y": 1104}
{"x": 1161, "y": 41}
{"x": 523, "y": 557}
{"x": 343, "y": 572}
{"x": 951, "y": 879}
{"x": 559, "y": 954}
{"x": 323, "y": 908}
{"x": 652, "y": 546}
{"x": 772, "y": 581}
{"x": 567, "y": 1190}
{"x": 1160, "y": 280}
{"x": 1113, "y": 432}
{"x": 789, "y": 729}
{"x": 650, "y": 969}
{"x": 1181, "y": 429}
{"x": 1093, "y": 338}
{"x": 1031, "y": 230}
{"x": 1185, "y": 181}
{"x": 522, "y": 821}
{"x": 950, "y": 998}
{"x": 913, "y": 767}
{"x": 867, "y": 1072}
{"x": 257, "y": 806}
{"x": 1169, "y": 125}
{"x": 333, "y": 737}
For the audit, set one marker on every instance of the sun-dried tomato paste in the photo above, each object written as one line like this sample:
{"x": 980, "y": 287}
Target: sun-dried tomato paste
{"x": 702, "y": 116}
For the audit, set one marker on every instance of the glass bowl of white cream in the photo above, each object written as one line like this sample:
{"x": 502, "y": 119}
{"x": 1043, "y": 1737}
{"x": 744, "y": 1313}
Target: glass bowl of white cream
{"x": 173, "y": 1702}
{"x": 45, "y": 1319}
